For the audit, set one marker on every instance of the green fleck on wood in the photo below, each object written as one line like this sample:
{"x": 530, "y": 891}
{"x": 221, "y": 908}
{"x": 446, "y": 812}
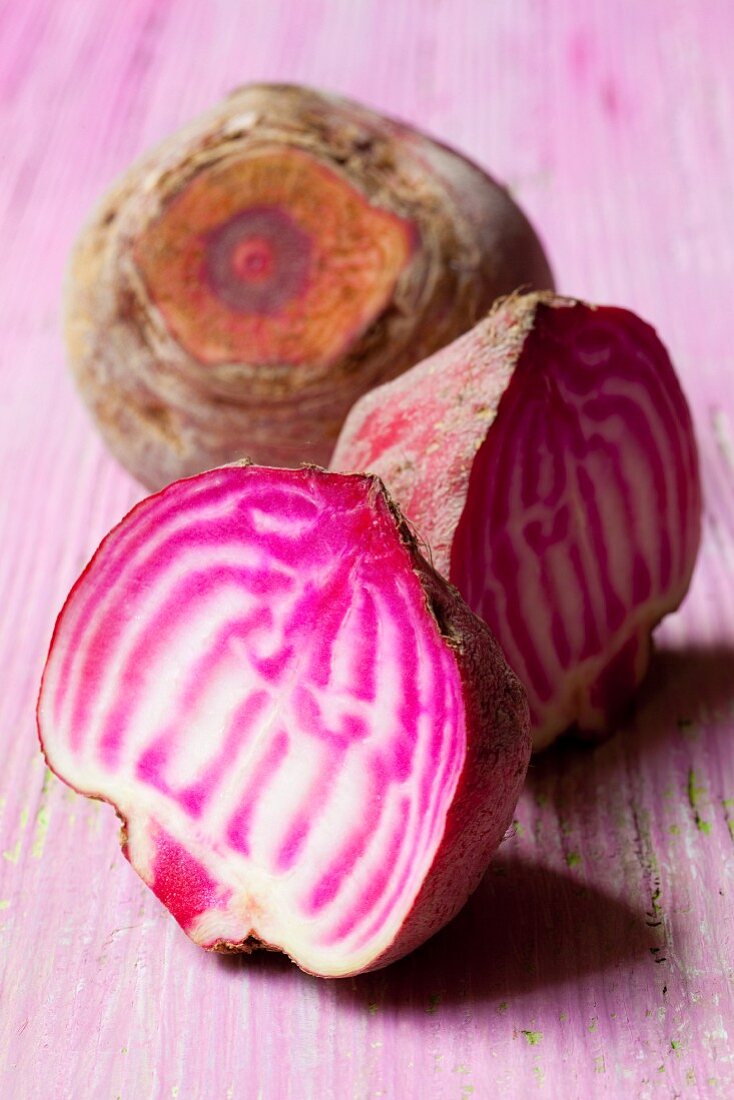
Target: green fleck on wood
{"x": 12, "y": 855}
{"x": 39, "y": 837}
{"x": 533, "y": 1037}
{"x": 655, "y": 912}
{"x": 694, "y": 798}
{"x": 573, "y": 859}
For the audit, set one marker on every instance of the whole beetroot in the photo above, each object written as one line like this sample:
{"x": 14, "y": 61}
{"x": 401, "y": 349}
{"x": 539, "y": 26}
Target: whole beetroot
{"x": 313, "y": 744}
{"x": 549, "y": 460}
{"x": 248, "y": 279}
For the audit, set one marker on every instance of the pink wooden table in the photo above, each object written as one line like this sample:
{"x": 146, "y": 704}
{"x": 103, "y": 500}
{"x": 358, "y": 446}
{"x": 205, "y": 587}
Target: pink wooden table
{"x": 596, "y": 958}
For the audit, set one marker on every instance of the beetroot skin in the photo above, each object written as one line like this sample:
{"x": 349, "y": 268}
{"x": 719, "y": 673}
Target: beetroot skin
{"x": 549, "y": 460}
{"x": 313, "y": 744}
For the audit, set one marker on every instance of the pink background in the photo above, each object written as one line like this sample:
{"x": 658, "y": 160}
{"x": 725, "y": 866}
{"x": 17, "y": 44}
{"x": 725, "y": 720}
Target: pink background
{"x": 596, "y": 958}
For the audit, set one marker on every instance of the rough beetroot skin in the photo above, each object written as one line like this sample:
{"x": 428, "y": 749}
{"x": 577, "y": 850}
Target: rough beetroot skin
{"x": 312, "y": 742}
{"x": 549, "y": 460}
{"x": 247, "y": 280}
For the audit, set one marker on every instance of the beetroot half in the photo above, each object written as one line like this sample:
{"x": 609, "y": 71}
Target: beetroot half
{"x": 312, "y": 742}
{"x": 548, "y": 457}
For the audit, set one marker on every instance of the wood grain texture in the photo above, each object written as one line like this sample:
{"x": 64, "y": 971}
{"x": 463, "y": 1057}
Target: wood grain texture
{"x": 596, "y": 960}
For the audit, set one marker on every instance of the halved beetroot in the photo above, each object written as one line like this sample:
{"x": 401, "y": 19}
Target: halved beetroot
{"x": 549, "y": 460}
{"x": 313, "y": 743}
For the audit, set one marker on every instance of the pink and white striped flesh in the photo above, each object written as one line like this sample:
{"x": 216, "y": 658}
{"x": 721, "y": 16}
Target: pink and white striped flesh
{"x": 548, "y": 458}
{"x": 312, "y": 742}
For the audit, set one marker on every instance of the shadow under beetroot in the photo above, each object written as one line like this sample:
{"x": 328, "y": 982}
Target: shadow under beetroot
{"x": 527, "y": 927}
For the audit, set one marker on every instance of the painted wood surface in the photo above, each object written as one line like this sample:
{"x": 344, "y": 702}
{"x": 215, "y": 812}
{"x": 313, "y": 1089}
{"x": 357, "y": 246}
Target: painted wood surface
{"x": 596, "y": 959}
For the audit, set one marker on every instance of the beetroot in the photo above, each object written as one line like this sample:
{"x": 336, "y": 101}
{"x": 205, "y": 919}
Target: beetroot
{"x": 548, "y": 457}
{"x": 248, "y": 279}
{"x": 312, "y": 742}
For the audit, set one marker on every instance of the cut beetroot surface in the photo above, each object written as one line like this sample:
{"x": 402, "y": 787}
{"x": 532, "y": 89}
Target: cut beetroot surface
{"x": 313, "y": 743}
{"x": 271, "y": 257}
{"x": 548, "y": 458}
